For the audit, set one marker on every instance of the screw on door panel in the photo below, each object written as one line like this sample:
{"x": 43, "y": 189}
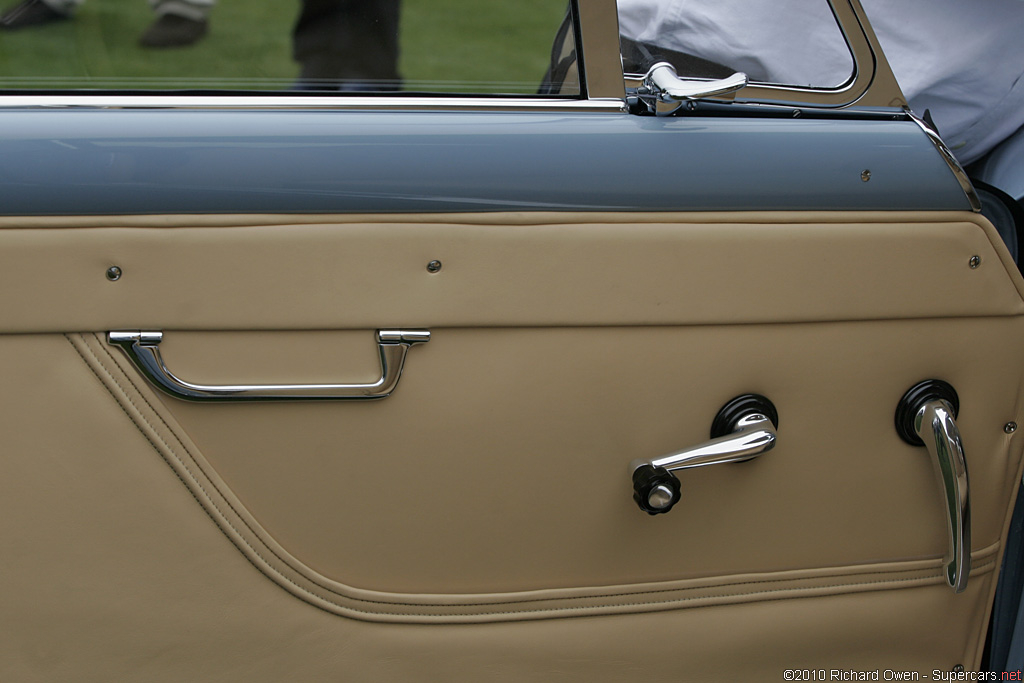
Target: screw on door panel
{"x": 1010, "y": 427}
{"x": 434, "y": 266}
{"x": 974, "y": 262}
{"x": 113, "y": 273}
{"x": 865, "y": 175}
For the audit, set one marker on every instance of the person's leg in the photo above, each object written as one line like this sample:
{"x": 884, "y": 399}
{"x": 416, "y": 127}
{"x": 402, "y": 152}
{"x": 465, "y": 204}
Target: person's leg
{"x": 36, "y": 12}
{"x": 348, "y": 44}
{"x": 178, "y": 23}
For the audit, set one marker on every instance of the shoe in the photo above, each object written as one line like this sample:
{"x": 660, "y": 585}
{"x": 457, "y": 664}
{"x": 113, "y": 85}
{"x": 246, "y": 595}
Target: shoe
{"x": 172, "y": 30}
{"x": 29, "y": 13}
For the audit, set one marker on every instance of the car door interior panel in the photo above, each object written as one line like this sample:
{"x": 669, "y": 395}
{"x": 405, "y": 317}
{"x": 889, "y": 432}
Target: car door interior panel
{"x": 223, "y": 272}
{"x": 492, "y": 486}
{"x": 374, "y": 382}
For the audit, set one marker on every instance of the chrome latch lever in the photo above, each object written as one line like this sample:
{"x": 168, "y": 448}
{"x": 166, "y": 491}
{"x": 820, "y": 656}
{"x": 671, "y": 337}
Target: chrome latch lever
{"x": 926, "y": 416}
{"x": 669, "y": 91}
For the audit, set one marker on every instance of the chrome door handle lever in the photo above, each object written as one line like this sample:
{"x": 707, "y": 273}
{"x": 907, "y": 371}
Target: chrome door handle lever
{"x": 663, "y": 80}
{"x": 143, "y": 350}
{"x": 743, "y": 429}
{"x": 669, "y": 90}
{"x": 926, "y": 416}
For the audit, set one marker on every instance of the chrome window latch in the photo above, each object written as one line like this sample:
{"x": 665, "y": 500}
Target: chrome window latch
{"x": 664, "y": 91}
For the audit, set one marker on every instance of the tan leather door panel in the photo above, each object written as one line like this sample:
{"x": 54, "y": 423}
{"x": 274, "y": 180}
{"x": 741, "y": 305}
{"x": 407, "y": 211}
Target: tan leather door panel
{"x": 479, "y": 522}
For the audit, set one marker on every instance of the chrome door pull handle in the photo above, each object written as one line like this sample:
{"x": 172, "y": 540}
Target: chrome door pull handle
{"x": 143, "y": 350}
{"x": 926, "y": 416}
{"x": 743, "y": 429}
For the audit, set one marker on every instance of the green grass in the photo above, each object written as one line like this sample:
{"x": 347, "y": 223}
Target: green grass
{"x": 446, "y": 46}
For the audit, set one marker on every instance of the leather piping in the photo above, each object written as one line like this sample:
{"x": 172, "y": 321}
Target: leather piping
{"x": 174, "y": 447}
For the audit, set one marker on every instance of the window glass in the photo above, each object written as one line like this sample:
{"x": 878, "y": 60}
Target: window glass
{"x": 418, "y": 46}
{"x": 783, "y": 42}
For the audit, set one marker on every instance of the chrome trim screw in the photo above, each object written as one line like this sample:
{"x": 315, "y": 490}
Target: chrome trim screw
{"x": 1010, "y": 427}
{"x": 974, "y": 262}
{"x": 434, "y": 266}
{"x": 865, "y": 175}
{"x": 113, "y": 273}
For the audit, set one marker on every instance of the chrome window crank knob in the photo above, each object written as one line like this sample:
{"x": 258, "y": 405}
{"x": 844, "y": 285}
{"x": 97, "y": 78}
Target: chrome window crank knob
{"x": 655, "y": 489}
{"x": 743, "y": 429}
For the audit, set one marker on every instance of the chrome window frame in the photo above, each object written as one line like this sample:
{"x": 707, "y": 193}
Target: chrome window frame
{"x": 871, "y": 84}
{"x": 870, "y": 71}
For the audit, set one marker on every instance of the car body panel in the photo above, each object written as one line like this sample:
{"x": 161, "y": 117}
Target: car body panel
{"x": 109, "y": 162}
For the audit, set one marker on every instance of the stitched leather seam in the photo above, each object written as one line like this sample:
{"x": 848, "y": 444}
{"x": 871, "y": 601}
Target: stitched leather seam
{"x": 501, "y": 218}
{"x": 231, "y": 507}
{"x": 132, "y": 419}
{"x": 527, "y": 611}
{"x": 147, "y": 436}
{"x": 850, "y": 586}
{"x": 192, "y": 476}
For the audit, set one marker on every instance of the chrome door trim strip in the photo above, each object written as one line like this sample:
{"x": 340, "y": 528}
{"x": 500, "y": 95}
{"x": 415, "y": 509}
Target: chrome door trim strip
{"x": 340, "y": 102}
{"x": 598, "y": 52}
{"x": 947, "y": 155}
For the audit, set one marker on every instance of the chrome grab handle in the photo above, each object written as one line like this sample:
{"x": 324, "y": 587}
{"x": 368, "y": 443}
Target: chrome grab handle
{"x": 926, "y": 416}
{"x": 743, "y": 429}
{"x": 662, "y": 80}
{"x": 143, "y": 350}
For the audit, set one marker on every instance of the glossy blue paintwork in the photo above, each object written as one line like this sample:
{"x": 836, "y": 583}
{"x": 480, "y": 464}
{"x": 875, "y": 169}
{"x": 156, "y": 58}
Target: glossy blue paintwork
{"x": 68, "y": 161}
